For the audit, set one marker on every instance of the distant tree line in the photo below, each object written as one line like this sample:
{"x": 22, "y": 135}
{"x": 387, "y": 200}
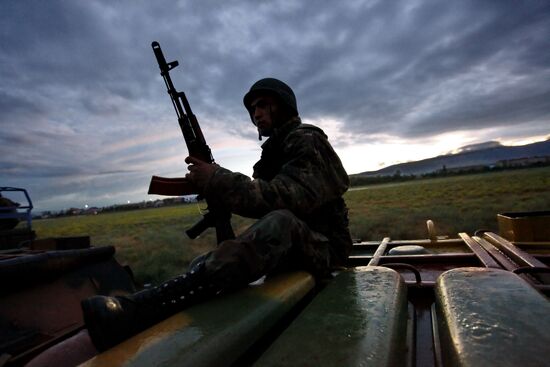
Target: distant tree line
{"x": 358, "y": 180}
{"x": 118, "y": 207}
{"x": 355, "y": 181}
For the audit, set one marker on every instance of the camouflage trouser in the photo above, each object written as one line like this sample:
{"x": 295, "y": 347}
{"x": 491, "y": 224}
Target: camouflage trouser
{"x": 279, "y": 241}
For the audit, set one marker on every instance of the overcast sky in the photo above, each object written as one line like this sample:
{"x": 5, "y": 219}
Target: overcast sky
{"x": 85, "y": 118}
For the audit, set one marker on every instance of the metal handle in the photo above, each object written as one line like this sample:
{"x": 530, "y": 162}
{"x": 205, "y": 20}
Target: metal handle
{"x": 414, "y": 270}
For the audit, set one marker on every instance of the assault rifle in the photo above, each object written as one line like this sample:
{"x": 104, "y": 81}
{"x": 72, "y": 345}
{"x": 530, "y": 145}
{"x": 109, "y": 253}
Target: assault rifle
{"x": 197, "y": 147}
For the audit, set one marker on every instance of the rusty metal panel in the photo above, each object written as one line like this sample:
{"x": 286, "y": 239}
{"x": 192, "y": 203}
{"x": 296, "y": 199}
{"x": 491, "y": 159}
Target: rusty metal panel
{"x": 40, "y": 296}
{"x": 528, "y": 226}
{"x": 61, "y": 243}
{"x": 379, "y": 252}
{"x": 26, "y": 269}
{"x": 15, "y": 238}
{"x": 491, "y": 317}
{"x": 359, "y": 319}
{"x": 519, "y": 256}
{"x": 483, "y": 256}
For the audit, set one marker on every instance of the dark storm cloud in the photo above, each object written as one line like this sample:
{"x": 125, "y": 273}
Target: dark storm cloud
{"x": 372, "y": 64}
{"x": 421, "y": 54}
{"x": 81, "y": 96}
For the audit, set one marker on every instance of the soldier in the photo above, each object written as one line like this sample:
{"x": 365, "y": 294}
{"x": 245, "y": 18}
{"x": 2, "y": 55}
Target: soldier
{"x": 296, "y": 192}
{"x": 9, "y": 208}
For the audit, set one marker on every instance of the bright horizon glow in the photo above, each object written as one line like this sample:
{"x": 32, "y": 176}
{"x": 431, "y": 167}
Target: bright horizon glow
{"x": 384, "y": 150}
{"x": 356, "y": 159}
{"x": 239, "y": 155}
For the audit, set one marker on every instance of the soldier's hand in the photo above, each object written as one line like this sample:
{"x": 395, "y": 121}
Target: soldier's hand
{"x": 199, "y": 172}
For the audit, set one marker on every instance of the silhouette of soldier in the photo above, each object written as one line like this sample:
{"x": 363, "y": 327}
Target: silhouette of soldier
{"x": 8, "y": 206}
{"x": 296, "y": 194}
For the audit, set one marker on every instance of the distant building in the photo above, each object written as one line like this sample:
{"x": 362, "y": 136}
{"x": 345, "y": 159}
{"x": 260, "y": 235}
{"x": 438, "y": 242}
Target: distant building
{"x": 74, "y": 211}
{"x": 92, "y": 211}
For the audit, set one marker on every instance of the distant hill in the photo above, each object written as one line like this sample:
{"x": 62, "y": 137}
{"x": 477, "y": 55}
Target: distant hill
{"x": 486, "y": 154}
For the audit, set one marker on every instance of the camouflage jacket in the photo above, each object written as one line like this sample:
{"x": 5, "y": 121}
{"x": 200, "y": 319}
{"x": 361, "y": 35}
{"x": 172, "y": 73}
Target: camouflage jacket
{"x": 298, "y": 171}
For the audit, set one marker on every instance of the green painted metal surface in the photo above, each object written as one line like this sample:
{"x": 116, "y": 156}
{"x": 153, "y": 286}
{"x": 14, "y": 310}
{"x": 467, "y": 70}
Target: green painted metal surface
{"x": 490, "y": 317}
{"x": 214, "y": 333}
{"x": 359, "y": 319}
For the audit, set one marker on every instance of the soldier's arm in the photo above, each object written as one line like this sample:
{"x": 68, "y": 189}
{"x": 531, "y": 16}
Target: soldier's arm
{"x": 311, "y": 178}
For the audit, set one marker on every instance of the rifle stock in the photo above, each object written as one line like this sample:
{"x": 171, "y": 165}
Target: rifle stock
{"x": 197, "y": 147}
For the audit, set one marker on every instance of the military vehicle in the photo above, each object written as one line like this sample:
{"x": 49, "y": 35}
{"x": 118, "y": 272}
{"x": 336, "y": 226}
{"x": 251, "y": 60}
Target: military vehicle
{"x": 471, "y": 300}
{"x": 11, "y": 213}
{"x": 42, "y": 282}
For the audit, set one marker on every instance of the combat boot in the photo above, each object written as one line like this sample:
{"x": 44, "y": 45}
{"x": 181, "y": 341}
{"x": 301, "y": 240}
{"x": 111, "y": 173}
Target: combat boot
{"x": 110, "y": 320}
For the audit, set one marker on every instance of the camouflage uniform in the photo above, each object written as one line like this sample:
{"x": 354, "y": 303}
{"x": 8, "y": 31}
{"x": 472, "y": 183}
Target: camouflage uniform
{"x": 297, "y": 192}
{"x": 297, "y": 195}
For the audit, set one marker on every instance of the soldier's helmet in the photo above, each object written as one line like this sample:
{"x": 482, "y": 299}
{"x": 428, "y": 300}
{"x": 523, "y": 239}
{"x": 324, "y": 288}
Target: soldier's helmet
{"x": 278, "y": 88}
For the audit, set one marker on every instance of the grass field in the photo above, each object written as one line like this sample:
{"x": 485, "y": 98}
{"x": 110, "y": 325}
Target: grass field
{"x": 459, "y": 203}
{"x": 154, "y": 244}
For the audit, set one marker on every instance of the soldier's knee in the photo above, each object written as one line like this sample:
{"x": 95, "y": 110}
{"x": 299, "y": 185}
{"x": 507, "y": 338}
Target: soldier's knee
{"x": 280, "y": 216}
{"x": 279, "y": 223}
